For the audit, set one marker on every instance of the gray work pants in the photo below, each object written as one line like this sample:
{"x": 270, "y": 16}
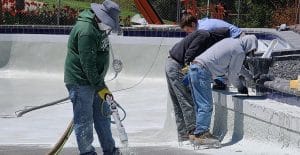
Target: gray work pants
{"x": 181, "y": 98}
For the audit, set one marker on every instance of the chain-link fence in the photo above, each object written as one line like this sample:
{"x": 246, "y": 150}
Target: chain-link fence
{"x": 272, "y": 13}
{"x": 50, "y": 12}
{"x": 44, "y": 12}
{"x": 244, "y": 13}
{"x": 167, "y": 9}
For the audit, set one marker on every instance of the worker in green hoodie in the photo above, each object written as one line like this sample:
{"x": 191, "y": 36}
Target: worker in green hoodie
{"x": 86, "y": 65}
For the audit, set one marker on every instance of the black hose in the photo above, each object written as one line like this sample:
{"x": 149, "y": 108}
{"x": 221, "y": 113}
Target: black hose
{"x": 22, "y": 112}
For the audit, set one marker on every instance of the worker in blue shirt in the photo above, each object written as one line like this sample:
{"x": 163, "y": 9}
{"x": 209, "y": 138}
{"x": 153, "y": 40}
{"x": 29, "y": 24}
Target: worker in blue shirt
{"x": 190, "y": 24}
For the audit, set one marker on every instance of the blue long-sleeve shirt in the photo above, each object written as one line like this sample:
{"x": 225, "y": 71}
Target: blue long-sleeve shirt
{"x": 211, "y": 24}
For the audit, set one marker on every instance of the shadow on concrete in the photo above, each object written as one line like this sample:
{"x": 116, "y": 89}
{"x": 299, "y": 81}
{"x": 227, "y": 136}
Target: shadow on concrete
{"x": 220, "y": 128}
{"x": 221, "y": 115}
{"x": 36, "y": 150}
{"x": 220, "y": 124}
{"x": 5, "y": 53}
{"x": 238, "y": 125}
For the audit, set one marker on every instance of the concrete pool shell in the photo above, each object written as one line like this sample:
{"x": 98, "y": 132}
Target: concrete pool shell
{"x": 31, "y": 74}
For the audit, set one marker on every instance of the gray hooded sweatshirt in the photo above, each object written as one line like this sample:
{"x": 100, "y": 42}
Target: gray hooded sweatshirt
{"x": 227, "y": 56}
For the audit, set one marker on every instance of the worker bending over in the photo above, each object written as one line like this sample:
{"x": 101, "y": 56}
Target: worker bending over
{"x": 224, "y": 58}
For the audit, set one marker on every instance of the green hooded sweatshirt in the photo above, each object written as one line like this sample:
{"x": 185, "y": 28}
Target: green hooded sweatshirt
{"x": 87, "y": 59}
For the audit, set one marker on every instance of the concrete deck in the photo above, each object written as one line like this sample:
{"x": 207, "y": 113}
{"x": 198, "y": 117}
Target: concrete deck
{"x": 291, "y": 37}
{"x": 160, "y": 150}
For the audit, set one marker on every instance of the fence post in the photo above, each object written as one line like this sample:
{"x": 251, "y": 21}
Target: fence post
{"x": 58, "y": 13}
{"x": 298, "y": 13}
{"x": 178, "y": 11}
{"x": 20, "y": 5}
{"x": 1, "y": 13}
{"x": 208, "y": 9}
{"x": 239, "y": 7}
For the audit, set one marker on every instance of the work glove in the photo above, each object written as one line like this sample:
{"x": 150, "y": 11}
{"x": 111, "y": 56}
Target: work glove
{"x": 185, "y": 69}
{"x": 219, "y": 84}
{"x": 104, "y": 93}
{"x": 243, "y": 90}
{"x": 242, "y": 79}
{"x": 249, "y": 82}
{"x": 263, "y": 78}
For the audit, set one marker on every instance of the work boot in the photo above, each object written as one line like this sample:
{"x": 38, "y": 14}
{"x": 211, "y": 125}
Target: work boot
{"x": 117, "y": 151}
{"x": 191, "y": 135}
{"x": 184, "y": 141}
{"x": 182, "y": 138}
{"x": 89, "y": 153}
{"x": 206, "y": 138}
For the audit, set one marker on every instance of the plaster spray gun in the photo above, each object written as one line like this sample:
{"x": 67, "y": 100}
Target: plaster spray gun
{"x": 117, "y": 119}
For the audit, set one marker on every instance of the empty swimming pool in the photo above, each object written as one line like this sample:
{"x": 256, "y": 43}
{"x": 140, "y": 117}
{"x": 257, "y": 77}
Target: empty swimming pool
{"x": 31, "y": 74}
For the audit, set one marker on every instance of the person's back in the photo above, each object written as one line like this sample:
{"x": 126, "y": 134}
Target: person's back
{"x": 210, "y": 24}
{"x": 197, "y": 39}
{"x": 84, "y": 32}
{"x": 195, "y": 43}
{"x": 226, "y": 57}
{"x": 217, "y": 58}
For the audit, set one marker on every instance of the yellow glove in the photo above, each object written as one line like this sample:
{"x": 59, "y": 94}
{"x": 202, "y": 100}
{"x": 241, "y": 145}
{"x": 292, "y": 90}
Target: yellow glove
{"x": 185, "y": 69}
{"x": 103, "y": 93}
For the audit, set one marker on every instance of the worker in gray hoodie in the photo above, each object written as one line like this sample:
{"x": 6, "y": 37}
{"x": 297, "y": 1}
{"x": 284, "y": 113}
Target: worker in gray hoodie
{"x": 224, "y": 58}
{"x": 182, "y": 54}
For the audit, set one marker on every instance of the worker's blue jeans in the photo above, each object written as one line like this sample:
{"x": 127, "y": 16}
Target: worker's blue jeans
{"x": 200, "y": 83}
{"x": 89, "y": 109}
